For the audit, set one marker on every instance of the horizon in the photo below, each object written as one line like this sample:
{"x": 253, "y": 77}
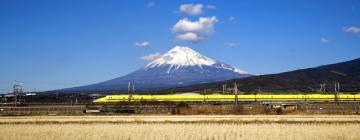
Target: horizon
{"x": 62, "y": 44}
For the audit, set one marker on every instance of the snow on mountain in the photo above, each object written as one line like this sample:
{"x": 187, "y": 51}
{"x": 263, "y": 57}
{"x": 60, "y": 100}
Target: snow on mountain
{"x": 181, "y": 56}
{"x": 180, "y": 66}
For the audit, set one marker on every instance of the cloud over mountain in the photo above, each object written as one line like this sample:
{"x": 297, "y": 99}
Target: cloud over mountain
{"x": 195, "y": 31}
{"x": 352, "y": 29}
{"x": 191, "y": 9}
{"x": 151, "y": 57}
{"x": 324, "y": 40}
{"x": 144, "y": 44}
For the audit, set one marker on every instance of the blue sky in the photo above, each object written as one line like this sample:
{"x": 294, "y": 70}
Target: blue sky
{"x": 64, "y": 43}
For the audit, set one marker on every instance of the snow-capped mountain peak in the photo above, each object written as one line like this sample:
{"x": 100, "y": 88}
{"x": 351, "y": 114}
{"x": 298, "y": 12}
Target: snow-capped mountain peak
{"x": 181, "y": 56}
{"x": 180, "y": 66}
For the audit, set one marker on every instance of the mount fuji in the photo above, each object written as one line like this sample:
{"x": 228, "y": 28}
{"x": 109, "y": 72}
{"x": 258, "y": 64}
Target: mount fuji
{"x": 180, "y": 66}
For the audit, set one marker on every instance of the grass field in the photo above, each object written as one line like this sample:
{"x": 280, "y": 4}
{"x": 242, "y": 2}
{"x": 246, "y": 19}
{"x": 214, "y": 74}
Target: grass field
{"x": 295, "y": 127}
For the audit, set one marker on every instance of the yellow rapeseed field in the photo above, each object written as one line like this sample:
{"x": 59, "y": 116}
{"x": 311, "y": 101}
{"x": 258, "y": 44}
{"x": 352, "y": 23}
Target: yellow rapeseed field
{"x": 180, "y": 128}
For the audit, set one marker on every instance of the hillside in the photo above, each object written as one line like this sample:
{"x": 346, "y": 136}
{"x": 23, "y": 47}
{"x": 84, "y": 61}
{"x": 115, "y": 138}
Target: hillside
{"x": 304, "y": 80}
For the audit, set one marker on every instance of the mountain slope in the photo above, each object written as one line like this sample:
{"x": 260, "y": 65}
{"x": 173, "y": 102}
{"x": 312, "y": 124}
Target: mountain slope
{"x": 305, "y": 80}
{"x": 178, "y": 67}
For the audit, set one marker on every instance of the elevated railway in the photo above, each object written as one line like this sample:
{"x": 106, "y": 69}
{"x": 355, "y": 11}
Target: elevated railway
{"x": 229, "y": 98}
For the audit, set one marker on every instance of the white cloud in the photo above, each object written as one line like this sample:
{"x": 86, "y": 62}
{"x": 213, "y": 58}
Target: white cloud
{"x": 195, "y": 30}
{"x": 144, "y": 44}
{"x": 231, "y": 44}
{"x": 151, "y": 57}
{"x": 189, "y": 36}
{"x": 231, "y": 18}
{"x": 324, "y": 40}
{"x": 352, "y": 29}
{"x": 203, "y": 25}
{"x": 211, "y": 7}
{"x": 151, "y": 4}
{"x": 191, "y": 9}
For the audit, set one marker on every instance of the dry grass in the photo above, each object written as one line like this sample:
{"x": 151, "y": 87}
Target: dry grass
{"x": 179, "y": 128}
{"x": 183, "y": 119}
{"x": 170, "y": 131}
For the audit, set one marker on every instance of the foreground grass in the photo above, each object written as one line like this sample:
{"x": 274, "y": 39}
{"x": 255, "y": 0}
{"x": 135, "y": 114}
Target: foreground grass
{"x": 171, "y": 131}
{"x": 182, "y": 119}
{"x": 231, "y": 127}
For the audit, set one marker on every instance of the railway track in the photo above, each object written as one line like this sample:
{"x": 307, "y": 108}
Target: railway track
{"x": 231, "y": 98}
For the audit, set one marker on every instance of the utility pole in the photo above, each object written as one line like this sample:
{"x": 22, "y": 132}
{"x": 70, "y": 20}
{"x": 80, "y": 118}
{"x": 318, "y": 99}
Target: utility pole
{"x": 337, "y": 89}
{"x": 129, "y": 88}
{"x": 17, "y": 90}
{"x": 323, "y": 88}
{"x": 133, "y": 89}
{"x": 129, "y": 91}
{"x": 236, "y": 93}
{"x": 224, "y": 88}
{"x": 15, "y": 93}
